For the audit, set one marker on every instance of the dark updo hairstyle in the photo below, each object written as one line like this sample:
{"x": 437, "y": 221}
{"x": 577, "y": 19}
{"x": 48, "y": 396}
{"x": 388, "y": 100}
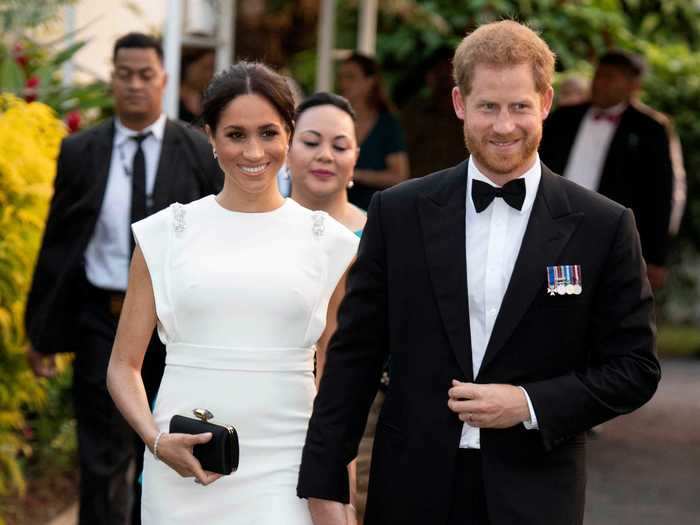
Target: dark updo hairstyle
{"x": 247, "y": 78}
{"x": 323, "y": 98}
{"x": 378, "y": 98}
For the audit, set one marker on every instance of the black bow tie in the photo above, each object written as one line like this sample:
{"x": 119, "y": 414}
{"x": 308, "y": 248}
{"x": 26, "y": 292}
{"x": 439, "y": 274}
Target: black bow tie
{"x": 513, "y": 193}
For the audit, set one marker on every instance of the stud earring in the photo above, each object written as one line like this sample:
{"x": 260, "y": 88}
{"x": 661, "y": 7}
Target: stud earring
{"x": 351, "y": 183}
{"x": 215, "y": 155}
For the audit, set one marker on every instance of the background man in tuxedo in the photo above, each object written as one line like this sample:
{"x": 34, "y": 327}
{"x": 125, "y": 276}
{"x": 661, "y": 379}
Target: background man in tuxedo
{"x": 620, "y": 148}
{"x": 107, "y": 178}
{"x": 495, "y": 376}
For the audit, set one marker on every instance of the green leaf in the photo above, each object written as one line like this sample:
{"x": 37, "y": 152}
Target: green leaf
{"x": 67, "y": 54}
{"x": 11, "y": 76}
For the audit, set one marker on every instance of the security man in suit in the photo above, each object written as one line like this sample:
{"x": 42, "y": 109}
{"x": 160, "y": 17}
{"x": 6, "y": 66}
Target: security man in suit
{"x": 619, "y": 148}
{"x": 108, "y": 177}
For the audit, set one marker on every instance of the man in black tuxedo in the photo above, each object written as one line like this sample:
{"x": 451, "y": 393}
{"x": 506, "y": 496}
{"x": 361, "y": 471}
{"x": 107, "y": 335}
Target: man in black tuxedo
{"x": 516, "y": 310}
{"x": 107, "y": 178}
{"x": 620, "y": 148}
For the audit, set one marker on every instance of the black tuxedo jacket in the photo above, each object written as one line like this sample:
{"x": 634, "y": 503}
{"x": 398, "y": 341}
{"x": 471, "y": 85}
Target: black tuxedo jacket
{"x": 186, "y": 171}
{"x": 583, "y": 359}
{"x": 637, "y": 171}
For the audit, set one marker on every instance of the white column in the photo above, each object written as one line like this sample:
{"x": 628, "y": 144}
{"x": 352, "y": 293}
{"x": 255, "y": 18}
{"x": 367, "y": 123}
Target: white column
{"x": 367, "y": 30}
{"x": 69, "y": 66}
{"x": 326, "y": 42}
{"x": 226, "y": 34}
{"x": 172, "y": 49}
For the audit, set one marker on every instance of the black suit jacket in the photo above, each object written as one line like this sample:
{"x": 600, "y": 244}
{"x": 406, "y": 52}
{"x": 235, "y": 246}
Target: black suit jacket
{"x": 186, "y": 171}
{"x": 637, "y": 171}
{"x": 583, "y": 359}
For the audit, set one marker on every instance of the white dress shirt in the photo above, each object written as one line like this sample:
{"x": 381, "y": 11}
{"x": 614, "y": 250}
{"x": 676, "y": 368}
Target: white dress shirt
{"x": 493, "y": 239}
{"x": 590, "y": 149}
{"x": 108, "y": 253}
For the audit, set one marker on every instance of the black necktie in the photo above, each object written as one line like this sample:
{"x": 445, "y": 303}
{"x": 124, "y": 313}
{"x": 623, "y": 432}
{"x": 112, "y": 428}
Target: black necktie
{"x": 513, "y": 193}
{"x": 138, "y": 183}
{"x": 138, "y": 180}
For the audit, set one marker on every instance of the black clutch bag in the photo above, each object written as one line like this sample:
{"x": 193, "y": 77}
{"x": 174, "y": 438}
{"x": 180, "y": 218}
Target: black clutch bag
{"x": 220, "y": 453}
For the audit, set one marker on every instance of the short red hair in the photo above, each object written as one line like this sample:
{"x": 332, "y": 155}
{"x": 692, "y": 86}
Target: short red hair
{"x": 504, "y": 43}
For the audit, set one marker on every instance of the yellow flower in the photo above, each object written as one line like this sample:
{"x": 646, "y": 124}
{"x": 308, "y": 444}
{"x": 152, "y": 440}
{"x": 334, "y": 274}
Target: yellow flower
{"x": 30, "y": 137}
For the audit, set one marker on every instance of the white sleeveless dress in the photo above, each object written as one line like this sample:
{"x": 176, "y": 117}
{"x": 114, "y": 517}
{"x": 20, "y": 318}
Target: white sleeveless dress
{"x": 241, "y": 299}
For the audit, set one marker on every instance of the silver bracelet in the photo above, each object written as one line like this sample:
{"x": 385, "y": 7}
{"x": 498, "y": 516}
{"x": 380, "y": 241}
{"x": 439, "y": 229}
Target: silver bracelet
{"x": 155, "y": 445}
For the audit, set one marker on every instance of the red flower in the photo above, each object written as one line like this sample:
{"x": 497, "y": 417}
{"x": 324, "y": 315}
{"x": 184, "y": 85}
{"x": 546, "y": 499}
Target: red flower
{"x": 27, "y": 432}
{"x": 31, "y": 88}
{"x": 73, "y": 120}
{"x": 20, "y": 57}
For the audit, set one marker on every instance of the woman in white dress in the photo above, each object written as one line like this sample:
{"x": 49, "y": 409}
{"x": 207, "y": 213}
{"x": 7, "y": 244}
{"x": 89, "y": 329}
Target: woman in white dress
{"x": 239, "y": 326}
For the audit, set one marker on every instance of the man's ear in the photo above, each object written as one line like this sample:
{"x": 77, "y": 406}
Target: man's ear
{"x": 547, "y": 99}
{"x": 458, "y": 102}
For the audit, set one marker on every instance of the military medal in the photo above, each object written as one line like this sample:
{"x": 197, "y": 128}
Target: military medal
{"x": 568, "y": 275}
{"x": 561, "y": 285}
{"x": 551, "y": 281}
{"x": 577, "y": 280}
{"x": 564, "y": 280}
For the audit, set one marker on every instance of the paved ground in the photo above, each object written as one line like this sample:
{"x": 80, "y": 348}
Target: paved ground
{"x": 69, "y": 517}
{"x": 645, "y": 467}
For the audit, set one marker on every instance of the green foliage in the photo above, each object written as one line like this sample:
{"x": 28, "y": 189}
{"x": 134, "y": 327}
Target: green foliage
{"x": 29, "y": 140}
{"x": 674, "y": 88}
{"x": 678, "y": 340}
{"x": 28, "y": 13}
{"x": 53, "y": 433}
{"x": 33, "y": 70}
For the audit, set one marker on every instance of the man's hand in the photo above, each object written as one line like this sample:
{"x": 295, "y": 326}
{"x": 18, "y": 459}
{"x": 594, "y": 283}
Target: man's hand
{"x": 327, "y": 512}
{"x": 657, "y": 276}
{"x": 488, "y": 406}
{"x": 43, "y": 365}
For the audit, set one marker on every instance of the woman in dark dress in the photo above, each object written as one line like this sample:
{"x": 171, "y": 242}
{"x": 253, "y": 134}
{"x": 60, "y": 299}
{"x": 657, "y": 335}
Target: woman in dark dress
{"x": 383, "y": 160}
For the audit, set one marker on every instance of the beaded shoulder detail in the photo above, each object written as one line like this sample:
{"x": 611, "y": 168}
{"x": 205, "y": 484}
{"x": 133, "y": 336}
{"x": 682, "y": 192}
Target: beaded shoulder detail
{"x": 318, "y": 223}
{"x": 179, "y": 213}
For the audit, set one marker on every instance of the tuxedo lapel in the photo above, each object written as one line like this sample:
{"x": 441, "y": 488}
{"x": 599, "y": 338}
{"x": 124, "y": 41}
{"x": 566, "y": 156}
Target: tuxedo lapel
{"x": 442, "y": 216}
{"x": 101, "y": 158}
{"x": 170, "y": 159}
{"x": 550, "y": 226}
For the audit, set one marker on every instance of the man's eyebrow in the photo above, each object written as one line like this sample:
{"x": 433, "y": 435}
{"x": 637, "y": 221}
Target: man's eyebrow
{"x": 127, "y": 68}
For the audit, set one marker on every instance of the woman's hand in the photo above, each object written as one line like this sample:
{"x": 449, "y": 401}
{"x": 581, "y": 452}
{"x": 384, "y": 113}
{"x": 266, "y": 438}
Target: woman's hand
{"x": 175, "y": 450}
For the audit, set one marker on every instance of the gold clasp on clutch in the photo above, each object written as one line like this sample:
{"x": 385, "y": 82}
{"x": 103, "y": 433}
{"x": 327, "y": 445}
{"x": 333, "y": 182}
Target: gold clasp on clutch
{"x": 202, "y": 414}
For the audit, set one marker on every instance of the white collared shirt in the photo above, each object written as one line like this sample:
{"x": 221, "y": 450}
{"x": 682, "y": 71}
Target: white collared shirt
{"x": 108, "y": 253}
{"x": 493, "y": 239}
{"x": 590, "y": 149}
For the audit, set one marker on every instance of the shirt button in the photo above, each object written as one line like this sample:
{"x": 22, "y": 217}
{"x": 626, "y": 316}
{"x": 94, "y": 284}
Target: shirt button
{"x": 492, "y": 311}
